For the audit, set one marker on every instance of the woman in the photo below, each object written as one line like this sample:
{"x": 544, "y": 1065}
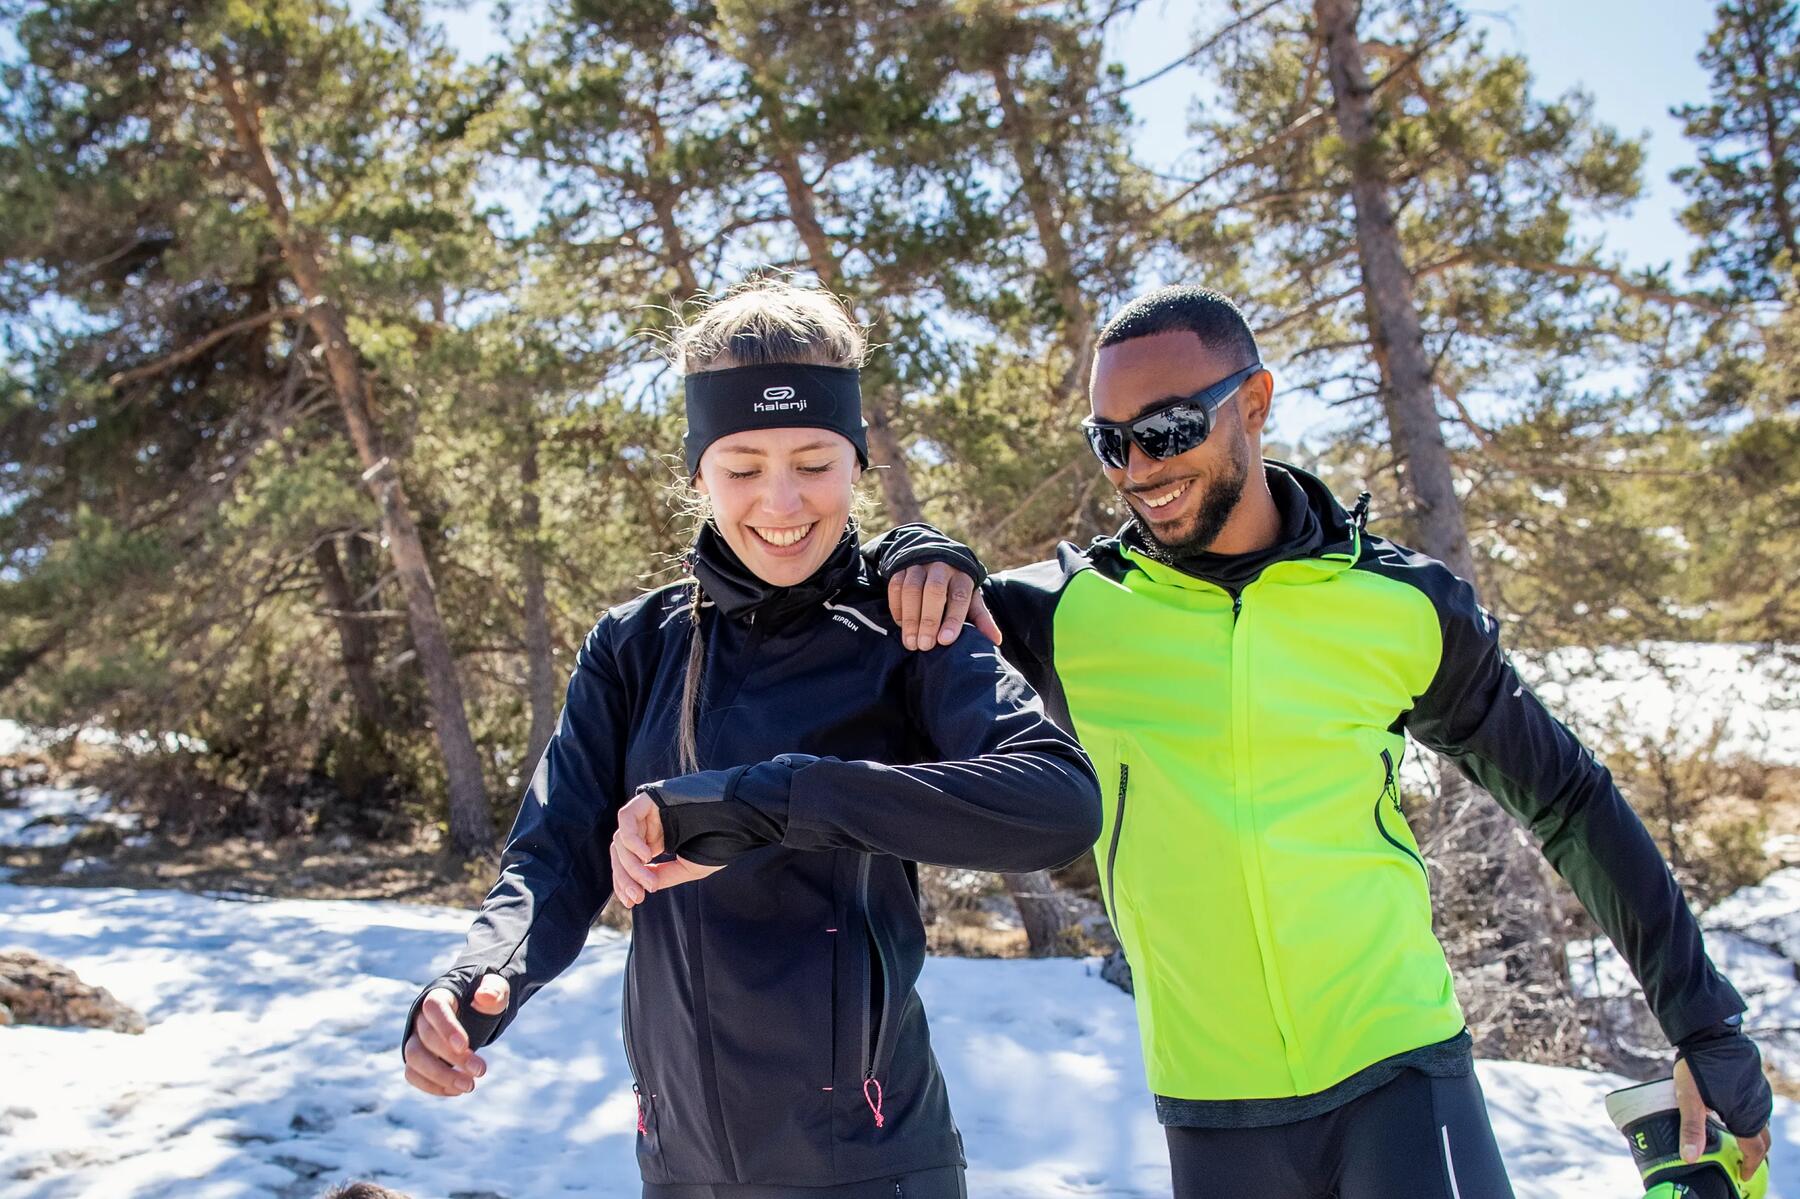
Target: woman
{"x": 776, "y": 1043}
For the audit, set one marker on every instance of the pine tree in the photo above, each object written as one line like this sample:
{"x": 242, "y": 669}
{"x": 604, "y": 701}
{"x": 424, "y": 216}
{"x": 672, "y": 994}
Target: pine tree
{"x": 1746, "y": 186}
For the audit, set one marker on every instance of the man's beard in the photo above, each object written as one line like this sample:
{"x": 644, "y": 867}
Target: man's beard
{"x": 1219, "y": 497}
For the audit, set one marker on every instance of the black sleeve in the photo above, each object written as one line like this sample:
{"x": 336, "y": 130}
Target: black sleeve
{"x": 1479, "y": 713}
{"x": 1012, "y": 793}
{"x": 912, "y": 544}
{"x": 555, "y": 875}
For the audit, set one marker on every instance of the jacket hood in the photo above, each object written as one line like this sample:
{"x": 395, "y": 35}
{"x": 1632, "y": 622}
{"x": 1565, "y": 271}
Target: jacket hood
{"x": 740, "y": 593}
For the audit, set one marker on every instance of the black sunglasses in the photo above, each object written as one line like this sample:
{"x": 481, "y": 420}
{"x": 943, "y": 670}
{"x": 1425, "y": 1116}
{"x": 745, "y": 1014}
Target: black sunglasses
{"x": 1170, "y": 428}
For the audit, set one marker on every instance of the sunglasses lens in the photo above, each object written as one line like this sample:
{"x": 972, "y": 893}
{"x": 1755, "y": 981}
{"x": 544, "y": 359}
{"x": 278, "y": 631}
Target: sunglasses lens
{"x": 1173, "y": 430}
{"x": 1109, "y": 445}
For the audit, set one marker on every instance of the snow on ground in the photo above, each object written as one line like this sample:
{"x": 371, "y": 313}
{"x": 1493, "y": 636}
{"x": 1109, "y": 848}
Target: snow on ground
{"x": 270, "y": 1069}
{"x": 52, "y": 816}
{"x": 1678, "y": 690}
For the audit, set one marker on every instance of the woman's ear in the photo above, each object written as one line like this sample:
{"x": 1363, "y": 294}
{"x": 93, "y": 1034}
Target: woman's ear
{"x": 699, "y": 483}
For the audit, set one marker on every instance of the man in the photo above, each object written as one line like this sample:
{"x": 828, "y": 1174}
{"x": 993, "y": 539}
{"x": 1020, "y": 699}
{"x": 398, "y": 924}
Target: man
{"x": 1243, "y": 662}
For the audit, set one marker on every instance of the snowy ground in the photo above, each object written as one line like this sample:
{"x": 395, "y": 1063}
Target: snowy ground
{"x": 270, "y": 1069}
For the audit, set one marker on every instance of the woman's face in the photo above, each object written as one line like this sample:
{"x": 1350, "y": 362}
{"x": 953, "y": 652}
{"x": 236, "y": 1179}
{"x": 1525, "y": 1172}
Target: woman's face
{"x": 781, "y": 497}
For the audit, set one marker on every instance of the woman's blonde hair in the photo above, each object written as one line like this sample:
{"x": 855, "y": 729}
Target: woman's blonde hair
{"x": 763, "y": 320}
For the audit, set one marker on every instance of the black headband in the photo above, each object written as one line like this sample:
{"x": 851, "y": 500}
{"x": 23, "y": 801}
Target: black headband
{"x": 773, "y": 396}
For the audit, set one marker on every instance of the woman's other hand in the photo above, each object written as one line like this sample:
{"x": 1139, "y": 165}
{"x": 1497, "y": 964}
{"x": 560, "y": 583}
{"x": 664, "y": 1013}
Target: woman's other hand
{"x": 636, "y": 846}
{"x": 439, "y": 1060}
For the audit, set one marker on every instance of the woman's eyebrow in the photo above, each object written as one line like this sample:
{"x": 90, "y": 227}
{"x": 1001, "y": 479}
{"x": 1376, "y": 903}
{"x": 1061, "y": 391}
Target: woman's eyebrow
{"x": 754, "y": 452}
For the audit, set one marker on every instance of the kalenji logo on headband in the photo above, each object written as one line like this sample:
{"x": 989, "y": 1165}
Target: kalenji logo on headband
{"x": 778, "y": 399}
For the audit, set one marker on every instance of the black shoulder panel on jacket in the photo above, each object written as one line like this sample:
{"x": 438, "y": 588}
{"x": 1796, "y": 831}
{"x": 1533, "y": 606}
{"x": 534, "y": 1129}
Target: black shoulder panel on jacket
{"x": 1479, "y": 713}
{"x": 1023, "y": 601}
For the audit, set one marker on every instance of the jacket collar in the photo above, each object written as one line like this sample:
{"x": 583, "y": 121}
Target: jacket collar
{"x": 741, "y": 594}
{"x": 1315, "y": 530}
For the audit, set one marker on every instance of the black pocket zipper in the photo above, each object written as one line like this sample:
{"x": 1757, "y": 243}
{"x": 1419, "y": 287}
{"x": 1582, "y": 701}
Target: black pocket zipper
{"x": 1112, "y": 849}
{"x": 1390, "y": 793}
{"x": 880, "y": 975}
{"x": 644, "y": 1097}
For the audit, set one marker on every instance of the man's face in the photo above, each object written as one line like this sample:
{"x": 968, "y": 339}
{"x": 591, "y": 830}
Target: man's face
{"x": 1182, "y": 502}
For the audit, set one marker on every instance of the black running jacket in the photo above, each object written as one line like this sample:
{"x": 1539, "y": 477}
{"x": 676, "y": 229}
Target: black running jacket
{"x": 771, "y": 1024}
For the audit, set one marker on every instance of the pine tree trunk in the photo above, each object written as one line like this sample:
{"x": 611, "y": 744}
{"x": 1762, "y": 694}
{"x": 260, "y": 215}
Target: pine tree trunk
{"x": 471, "y": 825}
{"x": 540, "y": 666}
{"x": 1388, "y": 300}
{"x": 1077, "y": 326}
{"x": 356, "y": 640}
{"x": 1493, "y": 875}
{"x": 1040, "y": 905}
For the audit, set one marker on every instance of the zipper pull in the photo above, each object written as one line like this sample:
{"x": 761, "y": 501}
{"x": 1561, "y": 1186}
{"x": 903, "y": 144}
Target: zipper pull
{"x": 874, "y": 1101}
{"x": 637, "y": 1091}
{"x": 1359, "y": 515}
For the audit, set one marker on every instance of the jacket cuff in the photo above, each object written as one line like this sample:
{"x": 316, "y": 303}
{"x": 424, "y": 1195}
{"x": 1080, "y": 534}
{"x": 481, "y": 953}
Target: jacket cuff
{"x": 714, "y": 817}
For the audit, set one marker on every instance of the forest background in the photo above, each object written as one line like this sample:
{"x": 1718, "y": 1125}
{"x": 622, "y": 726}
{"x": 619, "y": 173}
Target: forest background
{"x": 335, "y": 406}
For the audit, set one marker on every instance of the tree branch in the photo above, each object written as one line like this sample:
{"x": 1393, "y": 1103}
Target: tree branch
{"x": 188, "y": 353}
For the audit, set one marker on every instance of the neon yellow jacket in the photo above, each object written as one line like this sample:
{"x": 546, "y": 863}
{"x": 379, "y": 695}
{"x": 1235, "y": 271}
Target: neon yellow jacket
{"x": 1267, "y": 890}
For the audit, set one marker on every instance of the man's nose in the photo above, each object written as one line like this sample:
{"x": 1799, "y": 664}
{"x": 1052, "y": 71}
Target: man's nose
{"x": 1139, "y": 466}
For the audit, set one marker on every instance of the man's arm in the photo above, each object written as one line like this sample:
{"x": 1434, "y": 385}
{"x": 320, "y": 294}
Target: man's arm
{"x": 1479, "y": 713}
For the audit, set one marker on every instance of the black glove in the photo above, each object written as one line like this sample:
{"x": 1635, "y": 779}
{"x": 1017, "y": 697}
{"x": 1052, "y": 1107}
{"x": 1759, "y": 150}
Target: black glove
{"x": 1728, "y": 1070}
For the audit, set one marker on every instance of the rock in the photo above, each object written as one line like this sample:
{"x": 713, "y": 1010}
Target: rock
{"x": 1117, "y": 971}
{"x": 37, "y": 990}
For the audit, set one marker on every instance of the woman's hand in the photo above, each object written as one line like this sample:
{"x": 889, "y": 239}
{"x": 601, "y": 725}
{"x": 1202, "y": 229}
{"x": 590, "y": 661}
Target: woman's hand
{"x": 439, "y": 1060}
{"x": 635, "y": 848}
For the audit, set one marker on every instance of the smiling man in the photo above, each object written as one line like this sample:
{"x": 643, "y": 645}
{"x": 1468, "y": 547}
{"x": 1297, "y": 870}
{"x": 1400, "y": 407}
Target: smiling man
{"x": 1243, "y": 662}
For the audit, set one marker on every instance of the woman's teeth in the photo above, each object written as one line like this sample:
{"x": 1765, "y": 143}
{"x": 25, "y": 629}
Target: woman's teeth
{"x": 1167, "y": 497}
{"x": 781, "y": 538}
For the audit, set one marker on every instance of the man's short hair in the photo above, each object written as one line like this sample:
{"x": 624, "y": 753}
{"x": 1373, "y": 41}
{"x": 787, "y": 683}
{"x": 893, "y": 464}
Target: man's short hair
{"x": 1215, "y": 320}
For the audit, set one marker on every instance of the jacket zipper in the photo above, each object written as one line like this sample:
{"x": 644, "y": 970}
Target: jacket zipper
{"x": 1388, "y": 791}
{"x": 638, "y": 1089}
{"x": 873, "y": 1047}
{"x": 1112, "y": 849}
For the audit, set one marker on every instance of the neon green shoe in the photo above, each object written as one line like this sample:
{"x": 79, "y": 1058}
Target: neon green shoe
{"x": 1648, "y": 1117}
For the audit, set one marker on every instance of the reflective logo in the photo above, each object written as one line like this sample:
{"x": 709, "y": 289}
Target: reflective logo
{"x": 778, "y": 399}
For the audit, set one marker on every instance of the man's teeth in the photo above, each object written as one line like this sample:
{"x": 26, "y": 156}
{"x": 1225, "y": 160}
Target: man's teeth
{"x": 1166, "y": 498}
{"x": 783, "y": 537}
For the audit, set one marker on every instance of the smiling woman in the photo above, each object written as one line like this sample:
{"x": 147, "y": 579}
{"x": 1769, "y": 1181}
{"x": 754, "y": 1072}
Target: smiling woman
{"x": 752, "y": 761}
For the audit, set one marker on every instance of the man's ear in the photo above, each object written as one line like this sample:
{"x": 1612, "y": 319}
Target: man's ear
{"x": 1254, "y": 402}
